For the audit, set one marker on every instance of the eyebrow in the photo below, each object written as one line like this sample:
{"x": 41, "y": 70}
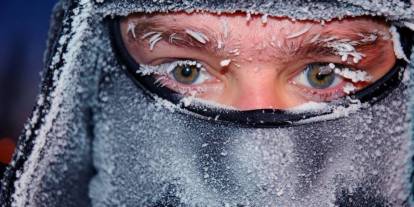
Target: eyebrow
{"x": 310, "y": 45}
{"x": 185, "y": 37}
{"x": 326, "y": 43}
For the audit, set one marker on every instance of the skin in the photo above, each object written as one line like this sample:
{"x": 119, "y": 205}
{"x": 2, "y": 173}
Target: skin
{"x": 265, "y": 59}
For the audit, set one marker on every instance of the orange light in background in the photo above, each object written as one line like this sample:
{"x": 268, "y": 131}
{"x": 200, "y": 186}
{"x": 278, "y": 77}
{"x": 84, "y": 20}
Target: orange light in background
{"x": 7, "y": 147}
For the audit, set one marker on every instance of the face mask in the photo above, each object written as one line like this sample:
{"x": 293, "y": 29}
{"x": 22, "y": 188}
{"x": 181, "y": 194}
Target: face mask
{"x": 186, "y": 156}
{"x": 106, "y": 136}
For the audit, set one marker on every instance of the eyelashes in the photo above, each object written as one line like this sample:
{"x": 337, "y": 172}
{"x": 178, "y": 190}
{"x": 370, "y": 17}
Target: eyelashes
{"x": 315, "y": 82}
{"x": 165, "y": 68}
{"x": 183, "y": 76}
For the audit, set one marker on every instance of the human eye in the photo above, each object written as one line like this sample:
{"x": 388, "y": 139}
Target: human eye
{"x": 188, "y": 77}
{"x": 328, "y": 81}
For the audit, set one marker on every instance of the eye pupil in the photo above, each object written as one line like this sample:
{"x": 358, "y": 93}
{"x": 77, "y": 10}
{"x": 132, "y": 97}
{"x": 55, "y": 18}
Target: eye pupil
{"x": 186, "y": 74}
{"x": 318, "y": 80}
{"x": 320, "y": 77}
{"x": 186, "y": 71}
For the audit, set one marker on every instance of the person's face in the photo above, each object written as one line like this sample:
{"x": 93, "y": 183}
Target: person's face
{"x": 255, "y": 62}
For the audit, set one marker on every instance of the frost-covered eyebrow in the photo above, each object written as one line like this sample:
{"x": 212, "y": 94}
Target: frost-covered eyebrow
{"x": 327, "y": 45}
{"x": 204, "y": 38}
{"x": 201, "y": 38}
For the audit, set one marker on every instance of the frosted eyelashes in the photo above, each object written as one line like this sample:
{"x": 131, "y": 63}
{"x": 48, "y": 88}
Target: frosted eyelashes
{"x": 183, "y": 71}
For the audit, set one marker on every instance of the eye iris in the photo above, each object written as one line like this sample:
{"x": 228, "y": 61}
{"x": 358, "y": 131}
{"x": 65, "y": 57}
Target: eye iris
{"x": 318, "y": 80}
{"x": 186, "y": 74}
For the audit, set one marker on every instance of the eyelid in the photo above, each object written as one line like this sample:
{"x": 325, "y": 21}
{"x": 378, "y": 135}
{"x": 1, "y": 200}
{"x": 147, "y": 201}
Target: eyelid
{"x": 165, "y": 68}
{"x": 338, "y": 64}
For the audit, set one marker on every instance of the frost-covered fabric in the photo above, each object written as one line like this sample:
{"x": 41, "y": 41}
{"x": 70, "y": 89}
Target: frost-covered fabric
{"x": 161, "y": 157}
{"x": 96, "y": 139}
{"x": 297, "y": 9}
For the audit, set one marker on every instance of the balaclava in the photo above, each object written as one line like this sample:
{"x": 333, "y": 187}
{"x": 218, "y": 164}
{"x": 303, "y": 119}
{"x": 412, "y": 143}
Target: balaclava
{"x": 99, "y": 137}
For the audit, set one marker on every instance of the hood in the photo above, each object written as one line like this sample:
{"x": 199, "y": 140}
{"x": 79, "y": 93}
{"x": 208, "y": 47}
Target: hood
{"x": 97, "y": 139}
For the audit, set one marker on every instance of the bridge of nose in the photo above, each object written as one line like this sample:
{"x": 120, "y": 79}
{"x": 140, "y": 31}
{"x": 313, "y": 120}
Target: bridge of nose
{"x": 259, "y": 86}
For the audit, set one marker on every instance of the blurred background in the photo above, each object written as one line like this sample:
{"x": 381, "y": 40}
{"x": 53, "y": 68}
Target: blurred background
{"x": 23, "y": 33}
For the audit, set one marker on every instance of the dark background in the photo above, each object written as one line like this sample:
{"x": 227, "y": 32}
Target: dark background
{"x": 23, "y": 33}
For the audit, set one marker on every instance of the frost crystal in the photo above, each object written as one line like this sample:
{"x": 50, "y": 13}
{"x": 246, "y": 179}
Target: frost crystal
{"x": 349, "y": 88}
{"x": 264, "y": 18}
{"x": 131, "y": 29}
{"x": 308, "y": 107}
{"x": 248, "y": 17}
{"x": 197, "y": 36}
{"x": 225, "y": 63}
{"x": 345, "y": 49}
{"x": 354, "y": 75}
{"x": 368, "y": 38}
{"x": 220, "y": 44}
{"x": 172, "y": 37}
{"x": 165, "y": 68}
{"x": 326, "y": 69}
{"x": 398, "y": 49}
{"x": 235, "y": 51}
{"x": 154, "y": 39}
{"x": 300, "y": 32}
{"x": 148, "y": 34}
{"x": 409, "y": 25}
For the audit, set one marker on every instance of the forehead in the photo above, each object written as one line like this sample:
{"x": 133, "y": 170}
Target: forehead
{"x": 259, "y": 25}
{"x": 249, "y": 35}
